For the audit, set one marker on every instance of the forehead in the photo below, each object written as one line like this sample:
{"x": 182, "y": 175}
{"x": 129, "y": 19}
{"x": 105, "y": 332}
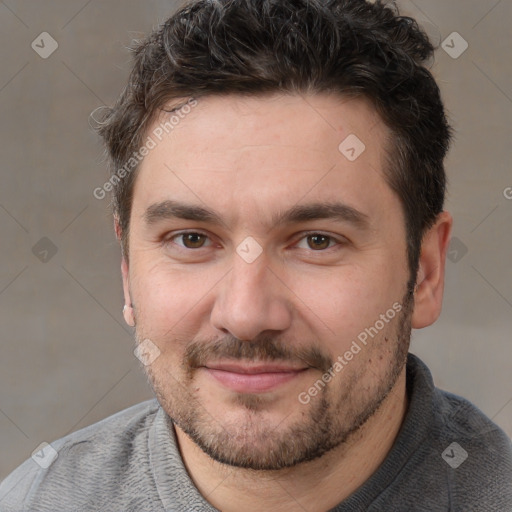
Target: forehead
{"x": 310, "y": 123}
{"x": 263, "y": 151}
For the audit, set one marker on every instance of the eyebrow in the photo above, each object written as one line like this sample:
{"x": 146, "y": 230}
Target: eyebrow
{"x": 168, "y": 209}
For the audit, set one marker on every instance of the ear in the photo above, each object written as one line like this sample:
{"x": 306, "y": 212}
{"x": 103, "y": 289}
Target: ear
{"x": 117, "y": 228}
{"x": 428, "y": 295}
{"x": 128, "y": 308}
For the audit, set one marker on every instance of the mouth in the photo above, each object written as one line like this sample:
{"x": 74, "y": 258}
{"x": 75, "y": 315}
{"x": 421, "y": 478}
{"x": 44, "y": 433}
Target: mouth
{"x": 251, "y": 377}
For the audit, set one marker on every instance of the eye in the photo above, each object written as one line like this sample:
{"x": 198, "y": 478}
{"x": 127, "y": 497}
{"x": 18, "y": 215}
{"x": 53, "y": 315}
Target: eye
{"x": 319, "y": 241}
{"x": 314, "y": 241}
{"x": 190, "y": 240}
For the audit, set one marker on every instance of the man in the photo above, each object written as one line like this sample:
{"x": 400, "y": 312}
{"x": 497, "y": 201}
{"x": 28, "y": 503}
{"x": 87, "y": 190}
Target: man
{"x": 278, "y": 195}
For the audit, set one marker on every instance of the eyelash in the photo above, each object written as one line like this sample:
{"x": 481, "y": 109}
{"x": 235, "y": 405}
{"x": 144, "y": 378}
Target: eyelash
{"x": 338, "y": 241}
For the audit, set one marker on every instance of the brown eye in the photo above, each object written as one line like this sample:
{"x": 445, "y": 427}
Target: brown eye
{"x": 318, "y": 241}
{"x": 193, "y": 240}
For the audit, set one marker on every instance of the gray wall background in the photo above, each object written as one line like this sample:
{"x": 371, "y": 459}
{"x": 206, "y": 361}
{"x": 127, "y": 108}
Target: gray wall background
{"x": 67, "y": 358}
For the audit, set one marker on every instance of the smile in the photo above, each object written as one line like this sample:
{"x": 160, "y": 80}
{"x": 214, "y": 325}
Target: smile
{"x": 253, "y": 378}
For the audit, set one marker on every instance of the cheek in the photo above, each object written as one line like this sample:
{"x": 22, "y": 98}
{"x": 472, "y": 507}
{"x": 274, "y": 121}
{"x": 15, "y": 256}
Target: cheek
{"x": 343, "y": 302}
{"x": 169, "y": 300}
{"x": 340, "y": 305}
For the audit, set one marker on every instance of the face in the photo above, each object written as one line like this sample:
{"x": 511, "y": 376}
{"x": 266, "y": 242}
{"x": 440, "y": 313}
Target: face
{"x": 268, "y": 271}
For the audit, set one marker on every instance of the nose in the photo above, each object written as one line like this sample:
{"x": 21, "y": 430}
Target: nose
{"x": 251, "y": 299}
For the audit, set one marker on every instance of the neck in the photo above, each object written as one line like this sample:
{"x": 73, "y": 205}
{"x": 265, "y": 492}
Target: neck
{"x": 317, "y": 485}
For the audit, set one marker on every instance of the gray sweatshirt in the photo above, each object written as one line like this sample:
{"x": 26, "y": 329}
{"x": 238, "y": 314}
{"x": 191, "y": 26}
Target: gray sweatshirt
{"x": 448, "y": 456}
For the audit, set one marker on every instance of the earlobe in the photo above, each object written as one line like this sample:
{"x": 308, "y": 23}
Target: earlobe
{"x": 128, "y": 314}
{"x": 117, "y": 228}
{"x": 428, "y": 295}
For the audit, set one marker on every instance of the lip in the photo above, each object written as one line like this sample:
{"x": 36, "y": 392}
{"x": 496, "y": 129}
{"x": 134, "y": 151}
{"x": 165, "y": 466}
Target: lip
{"x": 253, "y": 378}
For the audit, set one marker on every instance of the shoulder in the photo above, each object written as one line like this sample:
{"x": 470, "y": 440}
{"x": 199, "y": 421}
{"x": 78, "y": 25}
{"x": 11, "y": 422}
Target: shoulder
{"x": 477, "y": 453}
{"x": 452, "y": 416}
{"x": 459, "y": 419}
{"x": 461, "y": 460}
{"x": 81, "y": 460}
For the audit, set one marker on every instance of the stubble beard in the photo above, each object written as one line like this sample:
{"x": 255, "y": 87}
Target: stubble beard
{"x": 329, "y": 420}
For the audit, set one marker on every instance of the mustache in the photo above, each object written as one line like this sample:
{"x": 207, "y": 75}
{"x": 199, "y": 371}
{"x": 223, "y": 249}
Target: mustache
{"x": 264, "y": 348}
